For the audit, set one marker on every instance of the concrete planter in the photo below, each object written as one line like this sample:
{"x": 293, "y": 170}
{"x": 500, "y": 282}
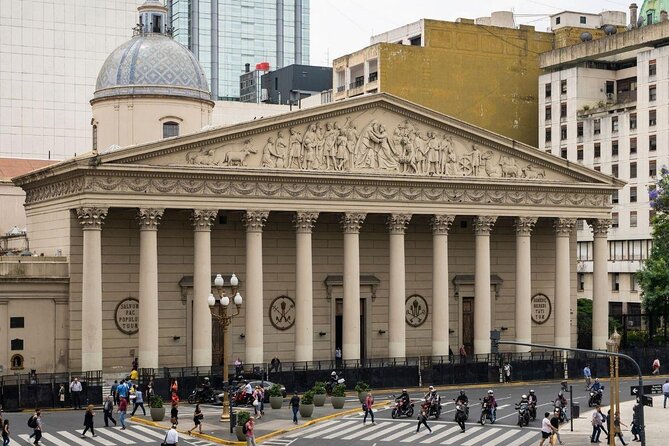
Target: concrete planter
{"x": 157, "y": 413}
{"x": 306, "y": 410}
{"x": 319, "y": 400}
{"x": 240, "y": 433}
{"x": 338, "y": 402}
{"x": 275, "y": 402}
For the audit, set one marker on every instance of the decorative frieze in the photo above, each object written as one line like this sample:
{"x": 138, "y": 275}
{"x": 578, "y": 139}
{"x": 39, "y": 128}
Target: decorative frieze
{"x": 91, "y": 217}
{"x": 351, "y": 222}
{"x": 564, "y": 226}
{"x": 441, "y": 224}
{"x": 524, "y": 225}
{"x": 600, "y": 226}
{"x": 397, "y": 223}
{"x": 203, "y": 219}
{"x": 254, "y": 221}
{"x": 483, "y": 224}
{"x": 304, "y": 221}
{"x": 149, "y": 218}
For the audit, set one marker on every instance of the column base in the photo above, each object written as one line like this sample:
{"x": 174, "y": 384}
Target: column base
{"x": 599, "y": 342}
{"x": 397, "y": 350}
{"x": 482, "y": 346}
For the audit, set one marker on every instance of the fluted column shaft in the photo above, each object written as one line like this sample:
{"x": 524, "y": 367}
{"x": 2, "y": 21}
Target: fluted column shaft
{"x": 202, "y": 219}
{"x": 563, "y": 229}
{"x": 351, "y": 224}
{"x": 149, "y": 219}
{"x": 397, "y": 224}
{"x": 482, "y": 304}
{"x": 523, "y": 324}
{"x": 440, "y": 311}
{"x": 91, "y": 219}
{"x": 304, "y": 314}
{"x": 600, "y": 291}
{"x": 254, "y": 221}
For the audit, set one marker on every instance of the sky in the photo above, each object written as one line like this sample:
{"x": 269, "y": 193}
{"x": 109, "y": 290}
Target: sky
{"x": 340, "y": 27}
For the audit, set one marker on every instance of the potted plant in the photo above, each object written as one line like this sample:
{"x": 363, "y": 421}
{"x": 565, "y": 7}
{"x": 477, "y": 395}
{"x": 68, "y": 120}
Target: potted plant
{"x": 275, "y": 396}
{"x": 307, "y": 404}
{"x": 319, "y": 394}
{"x": 242, "y": 417}
{"x": 338, "y": 396}
{"x": 156, "y": 408}
{"x": 362, "y": 388}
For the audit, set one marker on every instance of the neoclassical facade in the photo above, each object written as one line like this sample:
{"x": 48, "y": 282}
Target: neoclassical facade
{"x": 372, "y": 224}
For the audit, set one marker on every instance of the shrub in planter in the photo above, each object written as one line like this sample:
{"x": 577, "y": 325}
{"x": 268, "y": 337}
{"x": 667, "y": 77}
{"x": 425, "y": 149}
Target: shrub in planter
{"x": 362, "y": 388}
{"x": 242, "y": 417}
{"x": 338, "y": 396}
{"x": 156, "y": 408}
{"x": 275, "y": 396}
{"x": 319, "y": 394}
{"x": 307, "y": 404}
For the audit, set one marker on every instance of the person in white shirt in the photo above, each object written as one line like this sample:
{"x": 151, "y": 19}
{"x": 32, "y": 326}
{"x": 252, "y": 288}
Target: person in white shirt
{"x": 547, "y": 429}
{"x": 665, "y": 391}
{"x": 172, "y": 436}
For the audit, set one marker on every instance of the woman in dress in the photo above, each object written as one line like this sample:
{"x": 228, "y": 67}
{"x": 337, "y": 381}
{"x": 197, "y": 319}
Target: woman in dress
{"x": 197, "y": 420}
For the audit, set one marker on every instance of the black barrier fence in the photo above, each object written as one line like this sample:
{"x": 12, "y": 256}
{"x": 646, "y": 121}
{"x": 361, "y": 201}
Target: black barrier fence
{"x": 29, "y": 391}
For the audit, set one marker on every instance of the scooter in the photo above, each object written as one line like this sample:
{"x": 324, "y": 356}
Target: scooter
{"x": 487, "y": 412}
{"x": 523, "y": 414}
{"x": 596, "y": 397}
{"x": 333, "y": 382}
{"x": 402, "y": 409}
{"x": 432, "y": 408}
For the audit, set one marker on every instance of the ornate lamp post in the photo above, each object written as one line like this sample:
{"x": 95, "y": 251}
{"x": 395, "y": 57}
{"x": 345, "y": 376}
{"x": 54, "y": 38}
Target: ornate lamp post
{"x": 224, "y": 321}
{"x": 613, "y": 345}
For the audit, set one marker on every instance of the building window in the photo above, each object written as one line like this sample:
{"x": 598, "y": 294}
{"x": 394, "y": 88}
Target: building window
{"x": 583, "y": 19}
{"x": 633, "y": 219}
{"x": 598, "y": 150}
{"x": 633, "y": 194}
{"x": 632, "y": 121}
{"x": 615, "y": 285}
{"x": 652, "y": 67}
{"x": 614, "y": 148}
{"x": 614, "y": 124}
{"x": 563, "y": 87}
{"x": 563, "y": 132}
{"x": 557, "y": 20}
{"x": 549, "y": 113}
{"x": 652, "y": 93}
{"x": 614, "y": 219}
{"x": 581, "y": 281}
{"x": 16, "y": 322}
{"x": 17, "y": 344}
{"x": 652, "y": 117}
{"x": 579, "y": 129}
{"x": 597, "y": 126}
{"x": 548, "y": 90}
{"x": 563, "y": 152}
{"x": 632, "y": 146}
{"x": 580, "y": 224}
{"x": 16, "y": 362}
{"x": 652, "y": 168}
{"x": 579, "y": 153}
{"x": 598, "y": 168}
{"x": 170, "y": 129}
{"x": 632, "y": 170}
{"x": 614, "y": 197}
{"x": 415, "y": 41}
{"x": 614, "y": 170}
{"x": 548, "y": 135}
{"x": 633, "y": 285}
{"x": 563, "y": 110}
{"x": 651, "y": 215}
{"x": 95, "y": 137}
{"x": 583, "y": 251}
{"x": 652, "y": 143}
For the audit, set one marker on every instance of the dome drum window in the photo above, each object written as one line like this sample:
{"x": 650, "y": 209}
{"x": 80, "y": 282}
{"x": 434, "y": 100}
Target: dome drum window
{"x": 170, "y": 129}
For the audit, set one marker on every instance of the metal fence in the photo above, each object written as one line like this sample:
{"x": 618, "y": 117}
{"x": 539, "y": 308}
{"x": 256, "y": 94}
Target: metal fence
{"x": 33, "y": 390}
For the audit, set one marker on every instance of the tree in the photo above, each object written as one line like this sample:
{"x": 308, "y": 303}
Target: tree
{"x": 654, "y": 274}
{"x": 584, "y": 323}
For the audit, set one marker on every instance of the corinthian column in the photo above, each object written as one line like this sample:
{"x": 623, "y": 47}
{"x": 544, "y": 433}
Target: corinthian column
{"x": 202, "y": 219}
{"x": 254, "y": 222}
{"x": 482, "y": 305}
{"x": 91, "y": 219}
{"x": 440, "y": 312}
{"x": 600, "y": 307}
{"x": 397, "y": 224}
{"x": 149, "y": 219}
{"x": 304, "y": 314}
{"x": 523, "y": 324}
{"x": 563, "y": 228}
{"x": 351, "y": 224}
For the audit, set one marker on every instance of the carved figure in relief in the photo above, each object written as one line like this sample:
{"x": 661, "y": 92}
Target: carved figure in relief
{"x": 329, "y": 151}
{"x": 475, "y": 157}
{"x": 269, "y": 155}
{"x": 320, "y": 142}
{"x": 451, "y": 160}
{"x": 352, "y": 138}
{"x": 491, "y": 168}
{"x": 444, "y": 147}
{"x": 295, "y": 149}
{"x": 280, "y": 150}
{"x": 509, "y": 167}
{"x": 309, "y": 147}
{"x": 238, "y": 158}
{"x": 420, "y": 144}
{"x": 202, "y": 157}
{"x": 341, "y": 150}
{"x": 432, "y": 153}
{"x": 404, "y": 138}
{"x": 373, "y": 149}
{"x": 532, "y": 172}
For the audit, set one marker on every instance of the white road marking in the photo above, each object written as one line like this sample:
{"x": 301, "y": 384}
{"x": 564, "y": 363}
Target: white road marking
{"x": 73, "y": 439}
{"x": 308, "y": 430}
{"x": 502, "y": 438}
{"x": 385, "y": 431}
{"x": 461, "y": 436}
{"x": 330, "y": 429}
{"x": 421, "y": 434}
{"x": 53, "y": 439}
{"x": 525, "y": 438}
{"x": 148, "y": 431}
{"x": 357, "y": 426}
{"x": 489, "y": 432}
{"x": 111, "y": 433}
{"x": 367, "y": 430}
{"x": 441, "y": 435}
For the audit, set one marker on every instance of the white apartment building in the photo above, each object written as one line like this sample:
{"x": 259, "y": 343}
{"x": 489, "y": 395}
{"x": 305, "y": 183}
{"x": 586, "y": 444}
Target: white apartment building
{"x": 605, "y": 104}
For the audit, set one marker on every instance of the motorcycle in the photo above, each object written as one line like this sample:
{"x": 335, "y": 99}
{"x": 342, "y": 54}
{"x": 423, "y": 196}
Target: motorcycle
{"x": 241, "y": 398}
{"x": 523, "y": 414}
{"x": 488, "y": 412}
{"x": 402, "y": 409}
{"x": 203, "y": 395}
{"x": 595, "y": 397}
{"x": 533, "y": 411}
{"x": 432, "y": 408}
{"x": 563, "y": 412}
{"x": 333, "y": 382}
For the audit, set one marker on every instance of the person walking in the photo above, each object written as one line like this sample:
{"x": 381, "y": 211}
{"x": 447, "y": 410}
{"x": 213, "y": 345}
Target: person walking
{"x": 547, "y": 429}
{"x": 295, "y": 406}
{"x": 587, "y": 375}
{"x": 656, "y": 366}
{"x": 88, "y": 421}
{"x": 257, "y": 396}
{"x": 422, "y": 419}
{"x": 507, "y": 372}
{"x": 635, "y": 423}
{"x": 250, "y": 436}
{"x": 108, "y": 410}
{"x": 75, "y": 391}
{"x": 112, "y": 391}
{"x": 122, "y": 391}
{"x": 197, "y": 420}
{"x": 122, "y": 408}
{"x": 174, "y": 413}
{"x": 61, "y": 396}
{"x": 665, "y": 391}
{"x": 616, "y": 427}
{"x": 36, "y": 424}
{"x": 367, "y": 407}
{"x": 139, "y": 401}
{"x": 555, "y": 422}
{"x": 597, "y": 422}
{"x": 171, "y": 437}
{"x": 338, "y": 357}
{"x": 5, "y": 433}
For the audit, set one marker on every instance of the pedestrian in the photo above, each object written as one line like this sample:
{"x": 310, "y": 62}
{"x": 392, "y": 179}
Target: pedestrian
{"x": 547, "y": 429}
{"x": 5, "y": 433}
{"x": 174, "y": 413}
{"x": 171, "y": 437}
{"x": 134, "y": 376}
{"x": 338, "y": 356}
{"x": 75, "y": 391}
{"x": 555, "y": 423}
{"x": 149, "y": 390}
{"x": 295, "y": 405}
{"x": 367, "y": 407}
{"x": 262, "y": 400}
{"x": 597, "y": 422}
{"x": 122, "y": 408}
{"x": 616, "y": 426}
{"x": 112, "y": 391}
{"x": 507, "y": 372}
{"x": 587, "y": 375}
{"x": 174, "y": 389}
{"x": 88, "y": 421}
{"x": 197, "y": 420}
{"x": 108, "y": 411}
{"x": 462, "y": 351}
{"x": 61, "y": 396}
{"x": 122, "y": 391}
{"x": 139, "y": 401}
{"x": 422, "y": 419}
{"x": 250, "y": 437}
{"x": 35, "y": 423}
{"x": 256, "y": 402}
{"x": 656, "y": 366}
{"x": 239, "y": 366}
{"x": 635, "y": 422}
{"x": 665, "y": 391}
{"x": 135, "y": 364}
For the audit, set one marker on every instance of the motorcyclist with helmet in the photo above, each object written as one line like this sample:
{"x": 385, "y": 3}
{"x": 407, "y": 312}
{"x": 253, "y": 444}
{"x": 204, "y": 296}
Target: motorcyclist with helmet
{"x": 432, "y": 401}
{"x": 596, "y": 386}
{"x": 490, "y": 404}
{"x": 561, "y": 403}
{"x": 532, "y": 401}
{"x": 463, "y": 400}
{"x": 523, "y": 407}
{"x": 404, "y": 399}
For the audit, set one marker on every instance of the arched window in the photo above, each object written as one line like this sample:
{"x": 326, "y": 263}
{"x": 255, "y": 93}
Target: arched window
{"x": 17, "y": 362}
{"x": 170, "y": 128}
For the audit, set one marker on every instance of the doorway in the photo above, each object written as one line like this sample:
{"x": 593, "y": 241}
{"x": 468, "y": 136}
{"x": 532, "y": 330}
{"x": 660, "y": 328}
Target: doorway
{"x": 468, "y": 324}
{"x": 339, "y": 326}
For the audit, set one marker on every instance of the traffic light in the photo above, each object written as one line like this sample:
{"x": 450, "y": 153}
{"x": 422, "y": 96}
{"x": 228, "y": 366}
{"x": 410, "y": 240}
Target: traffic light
{"x": 494, "y": 341}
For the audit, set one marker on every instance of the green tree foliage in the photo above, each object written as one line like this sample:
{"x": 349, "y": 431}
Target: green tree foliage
{"x": 584, "y": 322}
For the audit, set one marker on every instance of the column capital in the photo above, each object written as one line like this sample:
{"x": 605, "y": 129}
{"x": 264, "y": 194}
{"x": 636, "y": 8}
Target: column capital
{"x": 483, "y": 224}
{"x": 397, "y": 223}
{"x": 304, "y": 221}
{"x": 149, "y": 218}
{"x": 524, "y": 225}
{"x": 564, "y": 226}
{"x": 441, "y": 224}
{"x": 351, "y": 222}
{"x": 255, "y": 220}
{"x": 203, "y": 219}
{"x": 600, "y": 226}
{"x": 91, "y": 217}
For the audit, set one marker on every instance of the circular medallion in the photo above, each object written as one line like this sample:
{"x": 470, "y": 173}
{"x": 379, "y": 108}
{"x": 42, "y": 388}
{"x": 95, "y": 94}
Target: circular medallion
{"x": 416, "y": 310}
{"x": 127, "y": 316}
{"x": 282, "y": 312}
{"x": 541, "y": 308}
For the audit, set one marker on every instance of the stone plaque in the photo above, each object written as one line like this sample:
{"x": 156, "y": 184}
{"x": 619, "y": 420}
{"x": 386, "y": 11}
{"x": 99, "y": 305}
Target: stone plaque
{"x": 127, "y": 316}
{"x": 416, "y": 310}
{"x": 541, "y": 308}
{"x": 282, "y": 313}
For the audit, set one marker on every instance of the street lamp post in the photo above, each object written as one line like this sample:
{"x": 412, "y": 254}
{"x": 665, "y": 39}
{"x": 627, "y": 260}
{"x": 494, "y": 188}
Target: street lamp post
{"x": 224, "y": 321}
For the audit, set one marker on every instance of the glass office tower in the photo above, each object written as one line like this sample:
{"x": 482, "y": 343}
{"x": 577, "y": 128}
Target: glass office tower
{"x": 227, "y": 34}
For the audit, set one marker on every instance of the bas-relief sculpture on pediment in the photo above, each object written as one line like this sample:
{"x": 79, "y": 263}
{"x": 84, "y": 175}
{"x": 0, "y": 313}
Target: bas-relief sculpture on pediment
{"x": 366, "y": 142}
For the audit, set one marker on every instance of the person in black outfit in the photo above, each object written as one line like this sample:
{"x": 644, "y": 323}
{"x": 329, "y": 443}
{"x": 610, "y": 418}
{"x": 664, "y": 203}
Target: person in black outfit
{"x": 422, "y": 419}
{"x": 295, "y": 405}
{"x": 174, "y": 413}
{"x": 88, "y": 421}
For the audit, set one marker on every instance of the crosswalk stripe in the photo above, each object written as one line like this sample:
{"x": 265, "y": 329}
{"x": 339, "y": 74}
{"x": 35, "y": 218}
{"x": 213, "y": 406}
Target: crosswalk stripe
{"x": 25, "y": 437}
{"x": 408, "y": 429}
{"x": 102, "y": 441}
{"x": 441, "y": 435}
{"x": 73, "y": 438}
{"x": 501, "y": 439}
{"x": 367, "y": 430}
{"x": 311, "y": 429}
{"x": 421, "y": 434}
{"x": 461, "y": 436}
{"x": 489, "y": 432}
{"x": 330, "y": 429}
{"x": 54, "y": 440}
{"x": 384, "y": 431}
{"x": 111, "y": 433}
{"x": 148, "y": 431}
{"x": 355, "y": 427}
{"x": 522, "y": 440}
{"x": 137, "y": 436}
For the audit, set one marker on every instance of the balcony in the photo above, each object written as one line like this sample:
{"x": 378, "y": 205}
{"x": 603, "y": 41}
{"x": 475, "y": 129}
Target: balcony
{"x": 373, "y": 77}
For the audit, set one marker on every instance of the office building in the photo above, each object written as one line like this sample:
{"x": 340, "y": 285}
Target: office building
{"x": 291, "y": 84}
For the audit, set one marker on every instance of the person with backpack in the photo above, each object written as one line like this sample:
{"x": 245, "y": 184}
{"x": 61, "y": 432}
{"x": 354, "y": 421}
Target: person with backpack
{"x": 112, "y": 391}
{"x": 5, "y": 433}
{"x": 35, "y": 423}
{"x": 88, "y": 421}
{"x": 367, "y": 407}
{"x": 248, "y": 431}
{"x": 108, "y": 410}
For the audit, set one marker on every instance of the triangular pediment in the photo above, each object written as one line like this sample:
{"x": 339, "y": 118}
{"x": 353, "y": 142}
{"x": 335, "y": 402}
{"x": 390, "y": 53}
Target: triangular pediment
{"x": 372, "y": 135}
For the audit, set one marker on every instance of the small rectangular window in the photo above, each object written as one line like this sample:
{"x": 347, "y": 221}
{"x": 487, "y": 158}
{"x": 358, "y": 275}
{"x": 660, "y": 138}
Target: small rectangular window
{"x": 632, "y": 121}
{"x": 548, "y": 90}
{"x": 614, "y": 197}
{"x": 583, "y": 20}
{"x": 616, "y": 281}
{"x": 614, "y": 170}
{"x": 652, "y": 67}
{"x": 652, "y": 118}
{"x": 16, "y": 322}
{"x": 598, "y": 150}
{"x": 557, "y": 20}
{"x": 614, "y": 124}
{"x": 563, "y": 87}
{"x": 633, "y": 194}
{"x": 17, "y": 344}
{"x": 548, "y": 135}
{"x": 597, "y": 126}
{"x": 563, "y": 110}
{"x": 614, "y": 148}
{"x": 579, "y": 153}
{"x": 563, "y": 152}
{"x": 598, "y": 168}
{"x": 579, "y": 129}
{"x": 633, "y": 285}
{"x": 633, "y": 219}
{"x": 549, "y": 113}
{"x": 652, "y": 143}
{"x": 632, "y": 170}
{"x": 632, "y": 146}
{"x": 652, "y": 93}
{"x": 652, "y": 168}
{"x": 581, "y": 281}
{"x": 563, "y": 132}
{"x": 614, "y": 218}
